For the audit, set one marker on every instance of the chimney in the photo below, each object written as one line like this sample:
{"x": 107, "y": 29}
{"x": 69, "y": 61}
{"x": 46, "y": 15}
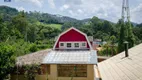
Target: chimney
{"x": 126, "y": 49}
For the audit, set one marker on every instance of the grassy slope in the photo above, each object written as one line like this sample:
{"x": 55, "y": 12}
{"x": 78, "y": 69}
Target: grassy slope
{"x": 58, "y": 26}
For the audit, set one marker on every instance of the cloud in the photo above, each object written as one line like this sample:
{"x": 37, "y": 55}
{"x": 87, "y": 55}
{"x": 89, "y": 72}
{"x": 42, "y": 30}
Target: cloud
{"x": 71, "y": 12}
{"x": 74, "y": 2}
{"x": 38, "y": 3}
{"x": 79, "y": 11}
{"x": 136, "y": 14}
{"x": 21, "y": 8}
{"x": 64, "y": 7}
{"x": 105, "y": 9}
{"x": 52, "y": 4}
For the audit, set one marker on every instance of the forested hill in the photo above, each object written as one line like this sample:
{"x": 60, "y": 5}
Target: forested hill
{"x": 46, "y": 18}
{"x": 8, "y": 10}
{"x": 41, "y": 28}
{"x": 41, "y": 17}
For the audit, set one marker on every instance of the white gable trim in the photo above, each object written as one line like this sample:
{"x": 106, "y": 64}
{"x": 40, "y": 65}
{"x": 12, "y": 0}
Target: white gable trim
{"x": 69, "y": 30}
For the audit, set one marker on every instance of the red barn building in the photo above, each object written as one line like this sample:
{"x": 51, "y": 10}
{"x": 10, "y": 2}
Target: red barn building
{"x": 72, "y": 39}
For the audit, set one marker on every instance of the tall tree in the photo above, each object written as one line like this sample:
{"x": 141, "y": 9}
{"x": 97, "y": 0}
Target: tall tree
{"x": 121, "y": 37}
{"x": 126, "y": 34}
{"x": 112, "y": 42}
{"x": 20, "y": 24}
{"x": 130, "y": 38}
{"x": 3, "y": 30}
{"x": 32, "y": 33}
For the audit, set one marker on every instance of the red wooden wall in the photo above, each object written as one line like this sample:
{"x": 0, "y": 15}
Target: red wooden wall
{"x": 71, "y": 36}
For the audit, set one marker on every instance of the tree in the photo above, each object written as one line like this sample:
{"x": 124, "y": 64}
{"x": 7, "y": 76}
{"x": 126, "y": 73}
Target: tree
{"x": 121, "y": 38}
{"x": 67, "y": 25}
{"x": 96, "y": 24}
{"x": 4, "y": 32}
{"x": 7, "y": 60}
{"x": 107, "y": 27}
{"x": 87, "y": 29}
{"x": 130, "y": 37}
{"x": 138, "y": 34}
{"x": 126, "y": 34}
{"x": 32, "y": 33}
{"x": 113, "y": 40}
{"x": 20, "y": 24}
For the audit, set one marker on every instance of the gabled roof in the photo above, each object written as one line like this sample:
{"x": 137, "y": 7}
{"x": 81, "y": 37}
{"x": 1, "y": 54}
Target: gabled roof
{"x": 69, "y": 30}
{"x": 71, "y": 57}
{"x": 120, "y": 67}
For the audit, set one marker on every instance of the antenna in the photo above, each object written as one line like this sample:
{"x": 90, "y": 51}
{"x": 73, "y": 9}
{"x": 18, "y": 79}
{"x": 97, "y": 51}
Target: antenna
{"x": 125, "y": 11}
{"x": 123, "y": 8}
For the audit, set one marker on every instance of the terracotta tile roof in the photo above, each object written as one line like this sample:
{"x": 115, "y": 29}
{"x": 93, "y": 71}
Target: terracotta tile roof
{"x": 33, "y": 58}
{"x": 120, "y": 67}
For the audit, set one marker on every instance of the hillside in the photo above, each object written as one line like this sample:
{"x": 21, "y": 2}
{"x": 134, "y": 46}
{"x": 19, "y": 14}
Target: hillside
{"x": 8, "y": 10}
{"x": 98, "y": 28}
{"x": 41, "y": 17}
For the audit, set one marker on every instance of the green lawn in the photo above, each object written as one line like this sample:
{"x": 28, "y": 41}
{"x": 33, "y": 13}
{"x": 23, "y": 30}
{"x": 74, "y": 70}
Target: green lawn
{"x": 58, "y": 26}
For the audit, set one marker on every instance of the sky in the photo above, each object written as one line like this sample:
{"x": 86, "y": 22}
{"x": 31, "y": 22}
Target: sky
{"x": 80, "y": 9}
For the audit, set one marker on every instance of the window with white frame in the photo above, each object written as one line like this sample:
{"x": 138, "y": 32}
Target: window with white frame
{"x": 76, "y": 45}
{"x": 69, "y": 45}
{"x": 62, "y": 45}
{"x": 83, "y": 44}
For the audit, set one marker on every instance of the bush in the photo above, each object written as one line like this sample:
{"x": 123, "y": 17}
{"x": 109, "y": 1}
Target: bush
{"x": 33, "y": 48}
{"x": 7, "y": 60}
{"x": 31, "y": 71}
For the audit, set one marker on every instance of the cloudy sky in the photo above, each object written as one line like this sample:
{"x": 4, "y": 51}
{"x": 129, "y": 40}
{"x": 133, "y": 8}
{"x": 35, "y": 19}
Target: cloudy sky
{"x": 80, "y": 9}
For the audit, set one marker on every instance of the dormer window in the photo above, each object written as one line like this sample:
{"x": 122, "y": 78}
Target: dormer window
{"x": 61, "y": 44}
{"x": 68, "y": 45}
{"x": 76, "y": 45}
{"x": 83, "y": 44}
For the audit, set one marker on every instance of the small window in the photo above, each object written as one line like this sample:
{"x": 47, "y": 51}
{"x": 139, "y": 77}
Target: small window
{"x": 83, "y": 44}
{"x": 76, "y": 45}
{"x": 68, "y": 45}
{"x": 61, "y": 44}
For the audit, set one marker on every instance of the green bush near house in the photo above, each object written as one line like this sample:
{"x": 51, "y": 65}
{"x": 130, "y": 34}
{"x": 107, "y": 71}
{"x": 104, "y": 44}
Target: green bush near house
{"x": 7, "y": 60}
